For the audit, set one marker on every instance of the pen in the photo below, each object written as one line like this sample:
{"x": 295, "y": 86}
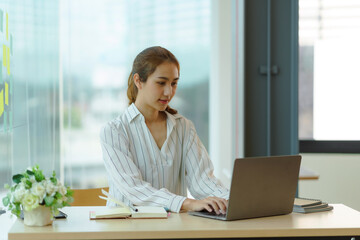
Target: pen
{"x": 119, "y": 203}
{"x": 133, "y": 208}
{"x": 114, "y": 200}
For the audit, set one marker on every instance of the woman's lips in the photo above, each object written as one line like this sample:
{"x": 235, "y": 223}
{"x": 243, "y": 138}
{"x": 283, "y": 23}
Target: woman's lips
{"x": 164, "y": 101}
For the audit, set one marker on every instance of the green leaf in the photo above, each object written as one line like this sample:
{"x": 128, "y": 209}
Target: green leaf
{"x": 70, "y": 199}
{"x": 17, "y": 178}
{"x": 17, "y": 206}
{"x": 55, "y": 211}
{"x": 39, "y": 176}
{"x": 54, "y": 174}
{"x": 69, "y": 192}
{"x": 58, "y": 195}
{"x": 53, "y": 180}
{"x": 48, "y": 201}
{"x": 28, "y": 184}
{"x": 7, "y": 186}
{"x": 35, "y": 168}
{"x": 16, "y": 212}
{"x": 30, "y": 173}
{"x": 6, "y": 201}
{"x": 58, "y": 205}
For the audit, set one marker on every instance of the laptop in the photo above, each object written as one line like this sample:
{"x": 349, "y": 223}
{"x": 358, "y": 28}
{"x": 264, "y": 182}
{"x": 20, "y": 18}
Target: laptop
{"x": 260, "y": 187}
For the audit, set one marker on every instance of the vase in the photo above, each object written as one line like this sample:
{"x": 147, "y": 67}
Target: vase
{"x": 40, "y": 216}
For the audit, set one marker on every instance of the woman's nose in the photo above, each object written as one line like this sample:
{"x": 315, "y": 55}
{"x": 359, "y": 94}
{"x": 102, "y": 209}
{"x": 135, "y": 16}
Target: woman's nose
{"x": 167, "y": 90}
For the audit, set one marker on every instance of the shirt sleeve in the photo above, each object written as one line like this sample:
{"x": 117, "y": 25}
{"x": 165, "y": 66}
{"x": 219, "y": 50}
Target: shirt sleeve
{"x": 126, "y": 176}
{"x": 199, "y": 169}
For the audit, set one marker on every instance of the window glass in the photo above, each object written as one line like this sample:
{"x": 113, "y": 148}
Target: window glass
{"x": 329, "y": 36}
{"x": 99, "y": 41}
{"x": 29, "y": 77}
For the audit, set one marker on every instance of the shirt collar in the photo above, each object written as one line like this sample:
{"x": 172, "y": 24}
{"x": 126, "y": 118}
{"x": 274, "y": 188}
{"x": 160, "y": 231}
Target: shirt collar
{"x": 133, "y": 112}
{"x": 171, "y": 119}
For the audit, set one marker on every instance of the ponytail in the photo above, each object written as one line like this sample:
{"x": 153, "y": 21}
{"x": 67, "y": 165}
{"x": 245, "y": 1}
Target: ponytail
{"x": 171, "y": 110}
{"x": 132, "y": 90}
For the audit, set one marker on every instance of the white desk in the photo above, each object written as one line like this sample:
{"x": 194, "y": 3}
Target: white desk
{"x": 6, "y": 221}
{"x": 342, "y": 221}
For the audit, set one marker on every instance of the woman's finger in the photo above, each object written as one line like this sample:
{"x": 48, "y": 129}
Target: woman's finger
{"x": 224, "y": 205}
{"x": 214, "y": 204}
{"x": 221, "y": 204}
{"x": 207, "y": 207}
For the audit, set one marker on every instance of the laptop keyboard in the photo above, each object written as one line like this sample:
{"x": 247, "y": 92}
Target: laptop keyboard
{"x": 213, "y": 213}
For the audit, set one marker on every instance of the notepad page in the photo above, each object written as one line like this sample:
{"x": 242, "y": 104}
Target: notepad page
{"x": 149, "y": 212}
{"x": 112, "y": 212}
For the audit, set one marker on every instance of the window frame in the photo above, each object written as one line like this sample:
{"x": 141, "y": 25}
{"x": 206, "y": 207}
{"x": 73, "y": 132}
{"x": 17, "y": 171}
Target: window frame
{"x": 329, "y": 146}
{"x": 325, "y": 146}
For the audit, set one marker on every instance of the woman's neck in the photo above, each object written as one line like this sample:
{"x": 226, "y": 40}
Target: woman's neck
{"x": 150, "y": 114}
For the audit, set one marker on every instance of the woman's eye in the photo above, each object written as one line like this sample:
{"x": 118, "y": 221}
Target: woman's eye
{"x": 174, "y": 83}
{"x": 161, "y": 83}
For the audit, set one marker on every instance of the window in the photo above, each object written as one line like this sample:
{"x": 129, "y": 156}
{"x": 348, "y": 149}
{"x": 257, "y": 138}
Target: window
{"x": 29, "y": 83}
{"x": 70, "y": 61}
{"x": 329, "y": 113}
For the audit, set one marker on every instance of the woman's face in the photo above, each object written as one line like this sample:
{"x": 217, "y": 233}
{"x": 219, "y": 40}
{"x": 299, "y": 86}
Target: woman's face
{"x": 160, "y": 87}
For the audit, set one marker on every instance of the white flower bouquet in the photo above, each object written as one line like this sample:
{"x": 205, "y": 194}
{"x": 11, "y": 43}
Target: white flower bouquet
{"x": 32, "y": 189}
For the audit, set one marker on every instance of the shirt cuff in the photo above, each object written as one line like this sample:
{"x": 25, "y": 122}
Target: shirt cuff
{"x": 175, "y": 203}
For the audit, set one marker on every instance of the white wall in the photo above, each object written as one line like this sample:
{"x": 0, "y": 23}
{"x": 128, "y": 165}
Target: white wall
{"x": 220, "y": 107}
{"x": 339, "y": 180}
{"x": 226, "y": 87}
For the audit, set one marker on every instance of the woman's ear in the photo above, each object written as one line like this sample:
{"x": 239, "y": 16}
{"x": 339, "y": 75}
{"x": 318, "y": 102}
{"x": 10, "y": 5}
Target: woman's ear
{"x": 137, "y": 81}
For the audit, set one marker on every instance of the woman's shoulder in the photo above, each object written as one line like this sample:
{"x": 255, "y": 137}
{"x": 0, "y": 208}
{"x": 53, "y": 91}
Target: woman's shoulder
{"x": 177, "y": 117}
{"x": 183, "y": 121}
{"x": 115, "y": 125}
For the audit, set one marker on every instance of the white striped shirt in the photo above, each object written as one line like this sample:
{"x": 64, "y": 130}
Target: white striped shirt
{"x": 142, "y": 174}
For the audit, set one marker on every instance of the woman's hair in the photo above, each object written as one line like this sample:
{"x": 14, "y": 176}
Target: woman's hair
{"x": 145, "y": 64}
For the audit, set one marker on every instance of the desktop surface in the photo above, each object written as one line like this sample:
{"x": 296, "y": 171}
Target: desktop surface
{"x": 342, "y": 221}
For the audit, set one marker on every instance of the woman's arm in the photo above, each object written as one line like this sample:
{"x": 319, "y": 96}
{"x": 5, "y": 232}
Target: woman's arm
{"x": 200, "y": 179}
{"x": 126, "y": 176}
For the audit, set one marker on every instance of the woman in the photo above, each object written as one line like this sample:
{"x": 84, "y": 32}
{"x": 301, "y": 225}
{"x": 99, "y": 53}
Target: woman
{"x": 152, "y": 154}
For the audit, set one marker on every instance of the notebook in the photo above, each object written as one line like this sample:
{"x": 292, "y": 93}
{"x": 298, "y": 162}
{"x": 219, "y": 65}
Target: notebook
{"x": 305, "y": 205}
{"x": 122, "y": 212}
{"x": 306, "y": 202}
{"x": 260, "y": 187}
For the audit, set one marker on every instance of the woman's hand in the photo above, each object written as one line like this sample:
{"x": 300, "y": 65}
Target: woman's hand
{"x": 216, "y": 204}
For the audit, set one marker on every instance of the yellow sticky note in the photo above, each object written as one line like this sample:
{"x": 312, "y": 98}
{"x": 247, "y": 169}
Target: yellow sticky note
{"x": 8, "y": 60}
{"x": 7, "y": 27}
{"x": 6, "y": 93}
{"x": 4, "y": 55}
{"x": 1, "y": 102}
